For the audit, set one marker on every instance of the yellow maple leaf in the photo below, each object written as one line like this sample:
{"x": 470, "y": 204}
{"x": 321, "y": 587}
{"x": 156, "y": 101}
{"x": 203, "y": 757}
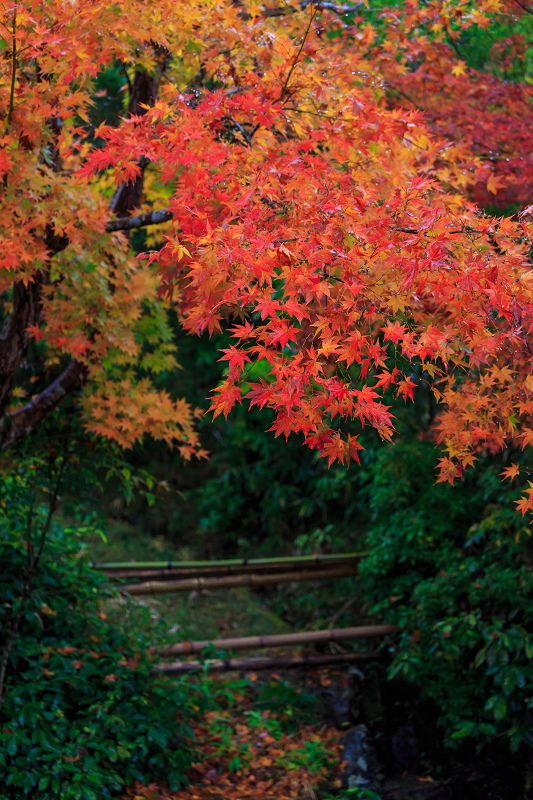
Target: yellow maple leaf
{"x": 459, "y": 69}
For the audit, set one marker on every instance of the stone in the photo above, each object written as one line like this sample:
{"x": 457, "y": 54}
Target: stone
{"x": 362, "y": 768}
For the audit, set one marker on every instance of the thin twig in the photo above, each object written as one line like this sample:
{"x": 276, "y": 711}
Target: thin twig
{"x": 128, "y": 79}
{"x": 294, "y": 63}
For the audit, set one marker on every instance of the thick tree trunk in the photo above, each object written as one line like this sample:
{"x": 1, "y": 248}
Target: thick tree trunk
{"x": 143, "y": 92}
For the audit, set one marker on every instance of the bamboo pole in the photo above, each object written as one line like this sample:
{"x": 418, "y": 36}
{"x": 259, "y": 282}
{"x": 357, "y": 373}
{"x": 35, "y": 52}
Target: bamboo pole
{"x": 232, "y": 562}
{"x": 276, "y": 662}
{"x": 231, "y": 581}
{"x": 213, "y": 572}
{"x": 279, "y": 639}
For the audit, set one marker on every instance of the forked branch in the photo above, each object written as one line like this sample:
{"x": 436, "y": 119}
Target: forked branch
{"x": 14, "y": 425}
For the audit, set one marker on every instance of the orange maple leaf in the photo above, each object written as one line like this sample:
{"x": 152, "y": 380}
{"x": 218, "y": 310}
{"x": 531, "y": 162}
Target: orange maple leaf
{"x": 510, "y": 472}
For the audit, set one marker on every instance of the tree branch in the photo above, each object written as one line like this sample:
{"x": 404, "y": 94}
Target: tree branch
{"x": 337, "y": 8}
{"x": 524, "y": 7}
{"x": 26, "y": 312}
{"x": 139, "y": 221}
{"x": 16, "y": 424}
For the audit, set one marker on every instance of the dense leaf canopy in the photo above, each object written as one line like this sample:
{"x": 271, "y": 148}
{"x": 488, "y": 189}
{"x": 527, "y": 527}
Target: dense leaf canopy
{"x": 314, "y": 169}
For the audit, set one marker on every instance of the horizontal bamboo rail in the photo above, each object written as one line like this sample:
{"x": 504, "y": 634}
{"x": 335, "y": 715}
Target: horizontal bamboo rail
{"x": 276, "y": 662}
{"x": 232, "y": 562}
{"x": 215, "y": 572}
{"x": 280, "y": 639}
{"x": 231, "y": 581}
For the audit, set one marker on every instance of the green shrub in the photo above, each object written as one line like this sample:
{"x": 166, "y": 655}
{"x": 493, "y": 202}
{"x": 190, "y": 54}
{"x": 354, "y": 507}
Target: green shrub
{"x": 82, "y": 715}
{"x": 295, "y": 706}
{"x": 452, "y": 566}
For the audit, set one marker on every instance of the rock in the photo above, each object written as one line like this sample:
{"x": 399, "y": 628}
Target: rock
{"x": 335, "y": 708}
{"x": 362, "y": 769}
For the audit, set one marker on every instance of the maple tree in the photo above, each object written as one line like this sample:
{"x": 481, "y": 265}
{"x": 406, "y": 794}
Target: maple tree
{"x": 299, "y": 203}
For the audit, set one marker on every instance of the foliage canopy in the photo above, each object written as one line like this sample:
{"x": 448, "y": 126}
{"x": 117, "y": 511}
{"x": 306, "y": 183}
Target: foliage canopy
{"x": 303, "y": 199}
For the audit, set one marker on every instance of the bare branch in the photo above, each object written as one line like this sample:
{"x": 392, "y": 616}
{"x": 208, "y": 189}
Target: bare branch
{"x": 139, "y": 221}
{"x": 14, "y": 425}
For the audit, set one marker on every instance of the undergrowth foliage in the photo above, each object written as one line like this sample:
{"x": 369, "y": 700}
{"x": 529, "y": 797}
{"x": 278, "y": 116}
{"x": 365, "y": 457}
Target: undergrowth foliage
{"x": 82, "y": 715}
{"x": 258, "y": 739}
{"x": 453, "y": 568}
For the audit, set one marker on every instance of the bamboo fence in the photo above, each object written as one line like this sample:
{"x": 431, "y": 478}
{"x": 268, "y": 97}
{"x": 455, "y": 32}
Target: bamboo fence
{"x": 231, "y": 581}
{"x": 280, "y": 639}
{"x": 275, "y": 662}
{"x": 164, "y": 570}
{"x": 211, "y": 572}
{"x": 229, "y": 573}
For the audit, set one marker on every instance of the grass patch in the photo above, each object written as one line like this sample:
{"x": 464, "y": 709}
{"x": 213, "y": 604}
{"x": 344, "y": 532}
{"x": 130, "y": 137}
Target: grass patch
{"x": 124, "y": 542}
{"x": 178, "y": 617}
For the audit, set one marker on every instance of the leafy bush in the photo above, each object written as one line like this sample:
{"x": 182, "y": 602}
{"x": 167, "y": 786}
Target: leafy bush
{"x": 82, "y": 715}
{"x": 295, "y": 706}
{"x": 452, "y": 566}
